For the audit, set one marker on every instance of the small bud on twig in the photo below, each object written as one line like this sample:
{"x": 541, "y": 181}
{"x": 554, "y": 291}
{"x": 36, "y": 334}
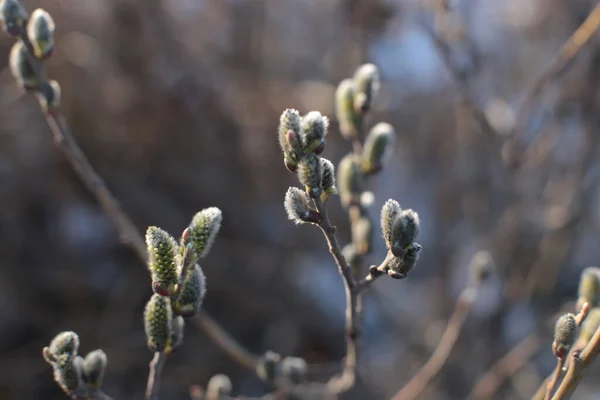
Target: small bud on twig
{"x": 405, "y": 229}
{"x": 162, "y": 251}
{"x": 310, "y": 174}
{"x": 589, "y": 287}
{"x": 378, "y": 148}
{"x": 328, "y": 180}
{"x": 590, "y": 325}
{"x": 158, "y": 319}
{"x": 13, "y": 16}
{"x": 565, "y": 333}
{"x": 389, "y": 212}
{"x": 21, "y": 67}
{"x": 289, "y": 132}
{"x": 49, "y": 96}
{"x": 176, "y": 340}
{"x": 93, "y": 368}
{"x": 346, "y": 114}
{"x": 362, "y": 234}
{"x": 64, "y": 343}
{"x": 350, "y": 181}
{"x": 297, "y": 207}
{"x": 204, "y": 229}
{"x": 366, "y": 82}
{"x": 192, "y": 293}
{"x": 40, "y": 32}
{"x": 267, "y": 366}
{"x": 218, "y": 387}
{"x": 314, "y": 130}
{"x": 293, "y": 369}
{"x": 67, "y": 373}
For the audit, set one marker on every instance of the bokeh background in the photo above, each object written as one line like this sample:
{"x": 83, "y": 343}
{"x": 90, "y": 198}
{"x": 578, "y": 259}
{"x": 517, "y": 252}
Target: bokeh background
{"x": 176, "y": 103}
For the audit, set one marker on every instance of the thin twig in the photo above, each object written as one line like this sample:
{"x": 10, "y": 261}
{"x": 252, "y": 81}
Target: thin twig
{"x": 218, "y": 335}
{"x": 506, "y": 366}
{"x": 560, "y": 363}
{"x": 127, "y": 230}
{"x": 345, "y": 380}
{"x": 565, "y": 55}
{"x": 156, "y": 367}
{"x": 422, "y": 378}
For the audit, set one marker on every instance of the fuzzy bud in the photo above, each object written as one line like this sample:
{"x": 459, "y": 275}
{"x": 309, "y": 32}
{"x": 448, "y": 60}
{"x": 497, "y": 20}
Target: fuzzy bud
{"x": 297, "y": 207}
{"x": 13, "y": 16}
{"x": 353, "y": 259}
{"x": 158, "y": 320}
{"x": 49, "y": 96}
{"x": 589, "y": 287}
{"x": 389, "y": 212}
{"x": 565, "y": 333}
{"x": 314, "y": 130}
{"x": 481, "y": 267}
{"x": 21, "y": 67}
{"x": 378, "y": 147}
{"x": 348, "y": 118}
{"x": 350, "y": 181}
{"x": 366, "y": 82}
{"x": 310, "y": 174}
{"x": 290, "y": 141}
{"x": 40, "y": 31}
{"x": 362, "y": 234}
{"x": 267, "y": 366}
{"x": 404, "y": 231}
{"x": 162, "y": 252}
{"x": 64, "y": 343}
{"x": 192, "y": 293}
{"x": 93, "y": 368}
{"x": 399, "y": 267}
{"x": 293, "y": 369}
{"x": 219, "y": 387}
{"x": 204, "y": 229}
{"x": 67, "y": 373}
{"x": 328, "y": 180}
{"x": 176, "y": 335}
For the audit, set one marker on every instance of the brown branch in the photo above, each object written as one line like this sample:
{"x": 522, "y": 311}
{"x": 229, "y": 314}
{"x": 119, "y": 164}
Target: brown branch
{"x": 346, "y": 379}
{"x": 555, "y": 379}
{"x": 506, "y": 366}
{"x": 437, "y": 360}
{"x": 217, "y": 334}
{"x": 127, "y": 230}
{"x": 156, "y": 367}
{"x": 565, "y": 55}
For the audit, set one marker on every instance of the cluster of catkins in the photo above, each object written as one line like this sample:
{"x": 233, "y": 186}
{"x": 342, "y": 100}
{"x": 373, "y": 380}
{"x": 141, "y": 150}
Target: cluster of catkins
{"x": 35, "y": 34}
{"x": 177, "y": 279}
{"x": 567, "y": 332}
{"x": 71, "y": 371}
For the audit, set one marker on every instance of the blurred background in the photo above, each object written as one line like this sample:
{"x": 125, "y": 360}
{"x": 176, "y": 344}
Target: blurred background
{"x": 176, "y": 103}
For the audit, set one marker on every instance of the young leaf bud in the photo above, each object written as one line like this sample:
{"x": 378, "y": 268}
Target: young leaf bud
{"x": 399, "y": 267}
{"x": 348, "y": 118}
{"x": 13, "y": 16}
{"x": 40, "y": 31}
{"x": 66, "y": 373}
{"x": 310, "y": 174}
{"x": 158, "y": 322}
{"x": 481, "y": 266}
{"x": 293, "y": 369}
{"x": 328, "y": 180}
{"x": 64, "y": 343}
{"x": 565, "y": 333}
{"x": 176, "y": 335}
{"x": 289, "y": 132}
{"x": 93, "y": 368}
{"x": 590, "y": 325}
{"x": 21, "y": 67}
{"x": 362, "y": 234}
{"x": 378, "y": 148}
{"x": 267, "y": 366}
{"x": 314, "y": 130}
{"x": 49, "y": 96}
{"x": 390, "y": 210}
{"x": 192, "y": 292}
{"x": 404, "y": 231}
{"x": 297, "y": 207}
{"x": 162, "y": 252}
{"x": 219, "y": 387}
{"x": 366, "y": 82}
{"x": 204, "y": 229}
{"x": 350, "y": 181}
{"x": 589, "y": 287}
